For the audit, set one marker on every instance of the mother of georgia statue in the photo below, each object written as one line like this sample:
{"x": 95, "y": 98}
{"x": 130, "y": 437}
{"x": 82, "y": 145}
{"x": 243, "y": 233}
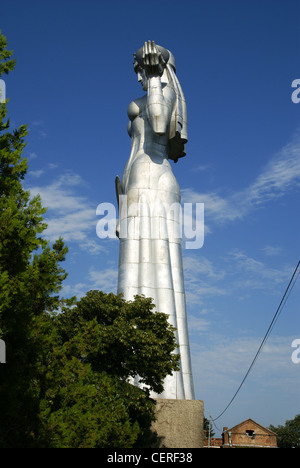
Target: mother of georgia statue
{"x": 149, "y": 229}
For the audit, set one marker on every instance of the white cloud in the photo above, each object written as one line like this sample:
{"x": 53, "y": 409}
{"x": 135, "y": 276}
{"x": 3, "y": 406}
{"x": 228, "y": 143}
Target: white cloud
{"x": 32, "y": 155}
{"x": 39, "y": 128}
{"x": 201, "y": 266}
{"x": 105, "y": 280}
{"x": 79, "y": 290}
{"x": 281, "y": 175}
{"x": 52, "y": 166}
{"x": 215, "y": 207}
{"x": 271, "y": 251}
{"x": 198, "y": 324}
{"x": 201, "y": 168}
{"x": 224, "y": 362}
{"x": 69, "y": 215}
{"x": 36, "y": 174}
{"x": 250, "y": 273}
{"x": 201, "y": 280}
{"x": 219, "y": 366}
{"x": 236, "y": 276}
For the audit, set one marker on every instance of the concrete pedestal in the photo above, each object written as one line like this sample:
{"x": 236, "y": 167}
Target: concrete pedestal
{"x": 179, "y": 423}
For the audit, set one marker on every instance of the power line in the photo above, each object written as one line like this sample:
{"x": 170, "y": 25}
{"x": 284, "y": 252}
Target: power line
{"x": 287, "y": 296}
{"x": 278, "y": 311}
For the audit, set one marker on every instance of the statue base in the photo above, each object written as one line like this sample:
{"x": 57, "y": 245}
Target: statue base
{"x": 179, "y": 423}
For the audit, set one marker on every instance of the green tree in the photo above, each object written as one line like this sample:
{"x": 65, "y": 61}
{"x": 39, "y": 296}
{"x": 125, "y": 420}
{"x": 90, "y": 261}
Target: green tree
{"x": 30, "y": 278}
{"x": 129, "y": 338}
{"x": 78, "y": 407}
{"x": 96, "y": 346}
{"x": 65, "y": 381}
{"x": 208, "y": 429}
{"x": 288, "y": 436}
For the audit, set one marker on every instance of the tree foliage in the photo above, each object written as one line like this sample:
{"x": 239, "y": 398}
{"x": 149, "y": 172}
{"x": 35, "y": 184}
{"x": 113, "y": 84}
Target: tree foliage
{"x": 6, "y": 63}
{"x": 121, "y": 338}
{"x": 29, "y": 280}
{"x": 96, "y": 347}
{"x": 65, "y": 381}
{"x": 288, "y": 436}
{"x": 208, "y": 429}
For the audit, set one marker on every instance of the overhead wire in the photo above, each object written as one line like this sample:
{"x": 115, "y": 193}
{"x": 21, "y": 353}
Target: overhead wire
{"x": 287, "y": 296}
{"x": 271, "y": 326}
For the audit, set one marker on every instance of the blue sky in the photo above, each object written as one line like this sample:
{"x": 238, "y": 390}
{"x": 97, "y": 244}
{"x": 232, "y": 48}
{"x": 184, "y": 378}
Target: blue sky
{"x": 236, "y": 61}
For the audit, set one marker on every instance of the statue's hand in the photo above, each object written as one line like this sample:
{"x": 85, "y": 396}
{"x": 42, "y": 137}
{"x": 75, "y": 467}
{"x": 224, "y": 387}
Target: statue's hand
{"x": 154, "y": 63}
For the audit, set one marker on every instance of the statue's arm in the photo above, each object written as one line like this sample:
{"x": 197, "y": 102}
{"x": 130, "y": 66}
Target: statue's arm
{"x": 159, "y": 108}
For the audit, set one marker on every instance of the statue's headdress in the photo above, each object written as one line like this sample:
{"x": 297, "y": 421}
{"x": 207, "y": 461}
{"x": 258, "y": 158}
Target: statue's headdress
{"x": 178, "y": 126}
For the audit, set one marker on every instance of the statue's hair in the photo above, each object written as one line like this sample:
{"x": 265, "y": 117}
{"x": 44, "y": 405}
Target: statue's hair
{"x": 166, "y": 54}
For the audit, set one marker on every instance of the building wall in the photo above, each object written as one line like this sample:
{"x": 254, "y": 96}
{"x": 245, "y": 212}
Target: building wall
{"x": 179, "y": 423}
{"x": 215, "y": 442}
{"x": 238, "y": 436}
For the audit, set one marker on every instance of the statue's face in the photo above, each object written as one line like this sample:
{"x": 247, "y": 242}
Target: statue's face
{"x": 142, "y": 78}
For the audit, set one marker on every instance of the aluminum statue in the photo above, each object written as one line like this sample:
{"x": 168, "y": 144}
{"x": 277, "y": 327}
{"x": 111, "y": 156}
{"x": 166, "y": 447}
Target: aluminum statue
{"x": 150, "y": 258}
